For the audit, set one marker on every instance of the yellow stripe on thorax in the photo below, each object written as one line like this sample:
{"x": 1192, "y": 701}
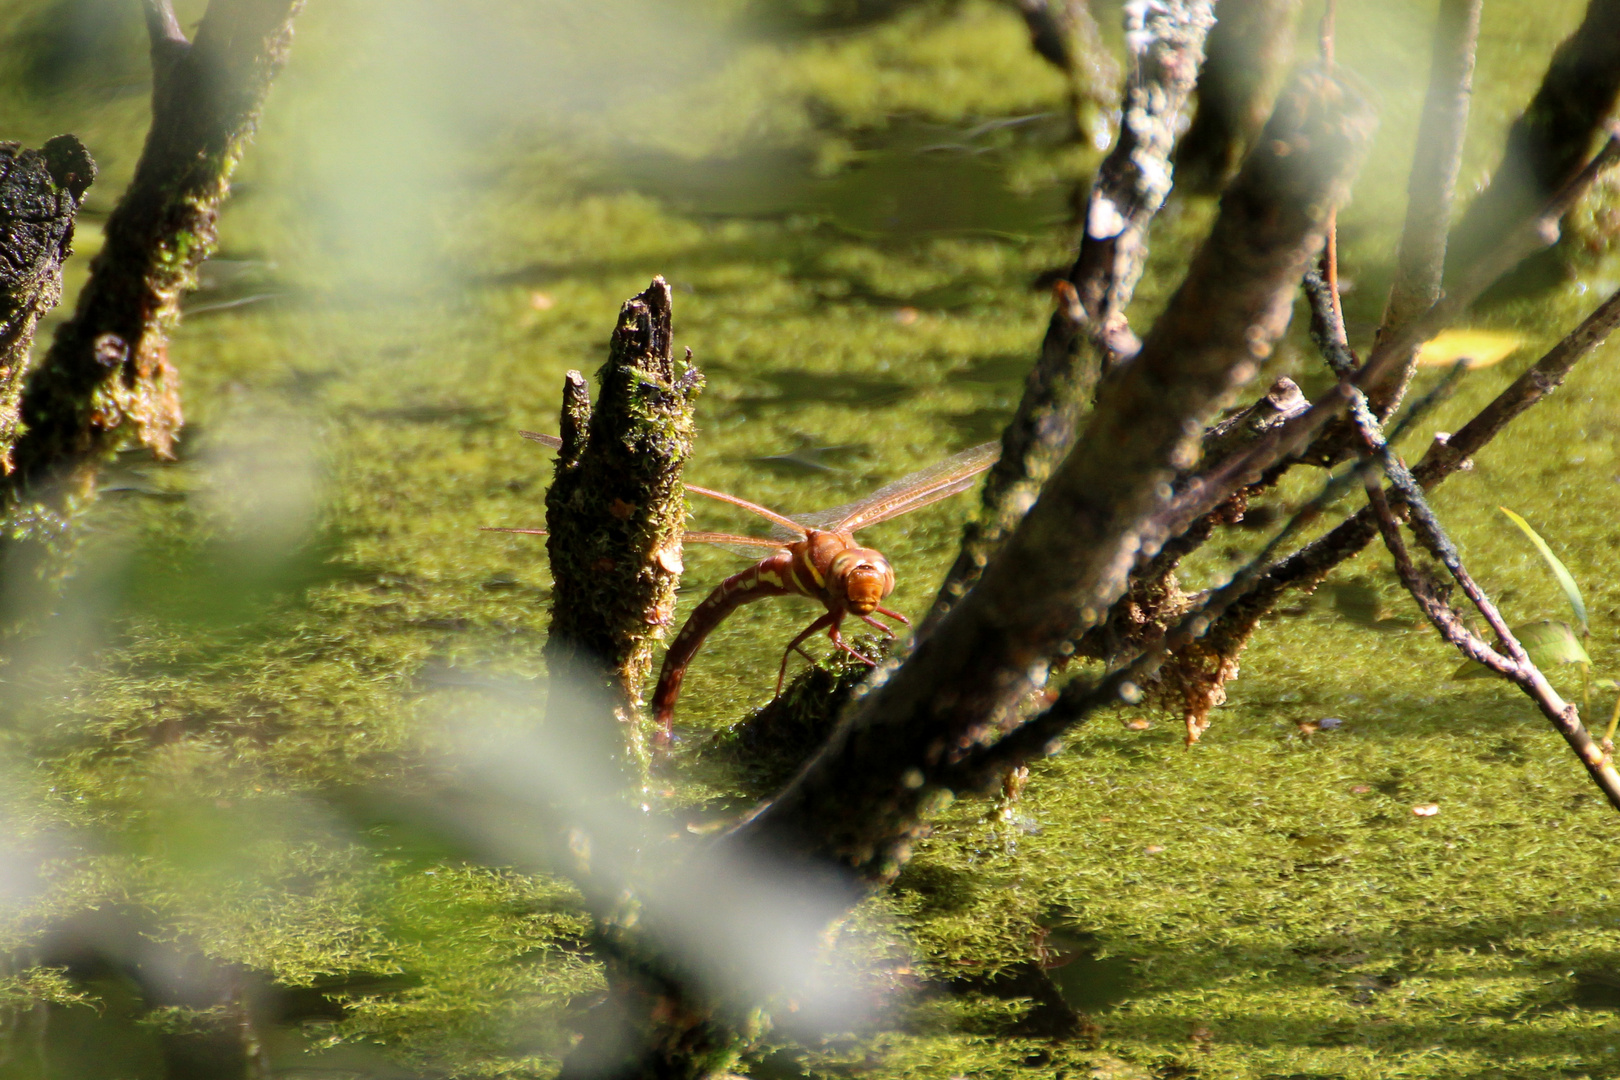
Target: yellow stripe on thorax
{"x": 802, "y": 560}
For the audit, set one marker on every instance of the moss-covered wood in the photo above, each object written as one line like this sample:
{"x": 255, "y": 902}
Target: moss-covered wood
{"x": 107, "y": 374}
{"x": 616, "y": 508}
{"x": 40, "y": 192}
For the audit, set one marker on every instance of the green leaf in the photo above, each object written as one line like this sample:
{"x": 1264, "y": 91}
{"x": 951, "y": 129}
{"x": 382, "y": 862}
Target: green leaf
{"x": 1547, "y": 642}
{"x": 1572, "y": 591}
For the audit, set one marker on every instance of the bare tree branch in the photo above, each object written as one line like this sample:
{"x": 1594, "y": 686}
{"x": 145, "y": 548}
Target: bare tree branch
{"x": 859, "y": 801}
{"x": 1311, "y": 564}
{"x": 1420, "y": 263}
{"x": 1516, "y": 665}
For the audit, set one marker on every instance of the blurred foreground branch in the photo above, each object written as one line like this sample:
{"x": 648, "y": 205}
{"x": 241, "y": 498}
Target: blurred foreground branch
{"x": 107, "y": 374}
{"x": 1552, "y": 137}
{"x": 1249, "y": 53}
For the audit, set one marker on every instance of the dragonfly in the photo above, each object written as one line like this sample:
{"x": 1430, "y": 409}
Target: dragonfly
{"x": 814, "y": 556}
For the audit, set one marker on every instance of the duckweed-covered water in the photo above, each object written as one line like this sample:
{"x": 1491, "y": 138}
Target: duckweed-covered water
{"x": 444, "y": 208}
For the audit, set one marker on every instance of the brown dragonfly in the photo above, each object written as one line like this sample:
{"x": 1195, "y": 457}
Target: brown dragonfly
{"x": 813, "y": 555}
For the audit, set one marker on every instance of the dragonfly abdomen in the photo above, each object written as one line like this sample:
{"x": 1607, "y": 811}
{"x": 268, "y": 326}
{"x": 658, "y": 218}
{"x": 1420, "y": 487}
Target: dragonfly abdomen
{"x": 769, "y": 577}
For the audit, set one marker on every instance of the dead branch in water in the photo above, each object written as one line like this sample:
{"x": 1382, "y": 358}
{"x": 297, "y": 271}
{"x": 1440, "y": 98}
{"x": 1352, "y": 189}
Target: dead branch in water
{"x": 616, "y": 510}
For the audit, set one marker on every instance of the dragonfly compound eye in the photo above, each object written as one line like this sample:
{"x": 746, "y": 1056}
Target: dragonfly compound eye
{"x": 867, "y": 579}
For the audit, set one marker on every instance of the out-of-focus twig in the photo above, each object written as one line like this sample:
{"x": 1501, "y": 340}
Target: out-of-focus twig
{"x": 1551, "y": 138}
{"x": 1420, "y": 263}
{"x": 1249, "y": 52}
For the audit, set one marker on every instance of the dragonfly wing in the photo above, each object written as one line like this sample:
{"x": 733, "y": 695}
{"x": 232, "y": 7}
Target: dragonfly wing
{"x": 525, "y": 532}
{"x": 908, "y": 493}
{"x": 781, "y": 520}
{"x": 769, "y": 515}
{"x": 752, "y": 544}
{"x": 543, "y": 439}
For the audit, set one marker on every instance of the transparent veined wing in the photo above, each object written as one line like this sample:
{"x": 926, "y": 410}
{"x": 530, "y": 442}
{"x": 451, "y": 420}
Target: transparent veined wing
{"x": 941, "y": 481}
{"x": 772, "y": 516}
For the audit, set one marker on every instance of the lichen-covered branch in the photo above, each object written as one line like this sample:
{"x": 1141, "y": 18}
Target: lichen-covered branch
{"x": 616, "y": 509}
{"x": 1552, "y": 137}
{"x": 1512, "y": 662}
{"x": 1249, "y": 53}
{"x": 40, "y": 193}
{"x": 1088, "y": 331}
{"x": 107, "y": 374}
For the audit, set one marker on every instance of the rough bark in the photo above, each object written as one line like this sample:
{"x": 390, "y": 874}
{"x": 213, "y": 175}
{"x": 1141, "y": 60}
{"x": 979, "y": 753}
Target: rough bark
{"x": 616, "y": 509}
{"x": 107, "y": 374}
{"x": 1088, "y": 331}
{"x": 1552, "y": 138}
{"x": 40, "y": 193}
{"x": 1249, "y": 53}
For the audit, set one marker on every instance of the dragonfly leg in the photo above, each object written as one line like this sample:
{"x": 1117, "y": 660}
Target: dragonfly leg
{"x": 838, "y": 640}
{"x": 825, "y": 622}
{"x": 893, "y": 615}
{"x": 869, "y": 621}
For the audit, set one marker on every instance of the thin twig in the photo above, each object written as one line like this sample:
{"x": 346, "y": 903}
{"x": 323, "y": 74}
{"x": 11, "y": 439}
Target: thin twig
{"x": 1075, "y": 703}
{"x": 1330, "y": 249}
{"x": 1512, "y": 662}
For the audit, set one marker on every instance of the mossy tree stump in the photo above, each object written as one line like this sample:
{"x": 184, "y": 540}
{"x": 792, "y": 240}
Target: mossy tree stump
{"x": 616, "y": 511}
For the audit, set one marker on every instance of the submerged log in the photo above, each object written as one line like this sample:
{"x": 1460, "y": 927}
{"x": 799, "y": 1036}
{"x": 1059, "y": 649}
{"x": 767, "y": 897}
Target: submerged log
{"x": 40, "y": 193}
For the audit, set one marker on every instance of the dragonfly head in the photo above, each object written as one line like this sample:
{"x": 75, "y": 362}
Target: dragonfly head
{"x": 863, "y": 577}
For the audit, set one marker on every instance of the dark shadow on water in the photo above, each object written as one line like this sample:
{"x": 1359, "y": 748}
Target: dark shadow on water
{"x": 790, "y": 19}
{"x": 794, "y": 388}
{"x": 909, "y": 180}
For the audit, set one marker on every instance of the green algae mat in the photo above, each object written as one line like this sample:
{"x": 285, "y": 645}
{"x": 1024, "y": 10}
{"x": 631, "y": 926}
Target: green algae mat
{"x": 442, "y": 212}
